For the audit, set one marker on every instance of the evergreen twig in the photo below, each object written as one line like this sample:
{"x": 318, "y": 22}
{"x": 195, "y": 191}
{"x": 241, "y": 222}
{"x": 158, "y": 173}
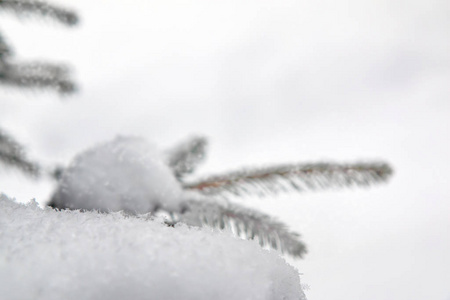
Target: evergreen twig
{"x": 300, "y": 177}
{"x": 13, "y": 154}
{"x": 245, "y": 223}
{"x": 5, "y": 49}
{"x": 37, "y": 75}
{"x": 32, "y": 7}
{"x": 185, "y": 157}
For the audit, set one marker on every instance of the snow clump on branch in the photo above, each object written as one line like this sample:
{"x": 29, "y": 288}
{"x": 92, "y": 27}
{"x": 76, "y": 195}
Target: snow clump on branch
{"x": 126, "y": 174}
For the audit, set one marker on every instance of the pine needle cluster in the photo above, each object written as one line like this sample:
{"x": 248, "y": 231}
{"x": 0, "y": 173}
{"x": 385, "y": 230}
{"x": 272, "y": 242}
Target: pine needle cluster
{"x": 214, "y": 207}
{"x": 35, "y": 74}
{"x": 13, "y": 154}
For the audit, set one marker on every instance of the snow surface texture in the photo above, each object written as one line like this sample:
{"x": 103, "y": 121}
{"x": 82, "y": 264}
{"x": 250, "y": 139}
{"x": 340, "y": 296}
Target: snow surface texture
{"x": 126, "y": 174}
{"x": 50, "y": 254}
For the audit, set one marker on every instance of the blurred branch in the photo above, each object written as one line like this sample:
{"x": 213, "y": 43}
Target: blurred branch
{"x": 5, "y": 50}
{"x": 185, "y": 157}
{"x": 37, "y": 75}
{"x": 13, "y": 154}
{"x": 28, "y": 8}
{"x": 284, "y": 178}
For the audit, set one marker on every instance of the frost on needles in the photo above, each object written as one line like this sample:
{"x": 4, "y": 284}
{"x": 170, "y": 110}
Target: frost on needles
{"x": 292, "y": 177}
{"x": 128, "y": 174}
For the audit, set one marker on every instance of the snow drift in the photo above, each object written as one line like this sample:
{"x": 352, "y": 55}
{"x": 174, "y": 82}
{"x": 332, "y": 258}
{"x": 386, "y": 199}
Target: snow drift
{"x": 50, "y": 254}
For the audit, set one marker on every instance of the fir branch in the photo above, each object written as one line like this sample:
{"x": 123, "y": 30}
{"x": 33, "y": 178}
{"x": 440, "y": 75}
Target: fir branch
{"x": 13, "y": 154}
{"x": 185, "y": 157}
{"x": 245, "y": 223}
{"x": 5, "y": 50}
{"x": 31, "y": 7}
{"x": 37, "y": 75}
{"x": 284, "y": 178}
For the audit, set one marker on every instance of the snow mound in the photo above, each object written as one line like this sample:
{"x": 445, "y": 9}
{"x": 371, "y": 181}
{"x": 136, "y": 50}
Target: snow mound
{"x": 126, "y": 174}
{"x": 50, "y": 254}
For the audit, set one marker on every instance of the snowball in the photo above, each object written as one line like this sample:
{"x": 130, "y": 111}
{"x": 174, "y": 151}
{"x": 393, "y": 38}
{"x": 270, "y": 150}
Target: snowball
{"x": 125, "y": 174}
{"x": 49, "y": 254}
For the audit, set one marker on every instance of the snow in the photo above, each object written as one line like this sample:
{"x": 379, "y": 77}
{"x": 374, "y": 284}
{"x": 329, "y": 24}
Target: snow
{"x": 269, "y": 82}
{"x": 68, "y": 254}
{"x": 126, "y": 174}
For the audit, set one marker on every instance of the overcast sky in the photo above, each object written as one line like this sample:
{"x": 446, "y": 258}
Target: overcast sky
{"x": 270, "y": 81}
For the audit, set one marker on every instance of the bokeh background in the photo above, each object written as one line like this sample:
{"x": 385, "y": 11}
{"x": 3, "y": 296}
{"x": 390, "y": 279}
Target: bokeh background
{"x": 269, "y": 81}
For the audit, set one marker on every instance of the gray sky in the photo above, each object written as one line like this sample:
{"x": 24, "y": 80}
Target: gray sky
{"x": 270, "y": 81}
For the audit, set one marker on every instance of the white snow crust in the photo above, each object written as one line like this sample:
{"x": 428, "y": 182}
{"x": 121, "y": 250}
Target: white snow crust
{"x": 126, "y": 174}
{"x": 68, "y": 254}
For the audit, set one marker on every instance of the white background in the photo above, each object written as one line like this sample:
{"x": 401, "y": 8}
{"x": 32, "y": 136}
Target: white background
{"x": 269, "y": 82}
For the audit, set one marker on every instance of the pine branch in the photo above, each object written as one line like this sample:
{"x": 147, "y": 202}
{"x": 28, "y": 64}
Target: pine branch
{"x": 37, "y": 75}
{"x": 31, "y": 7}
{"x": 5, "y": 50}
{"x": 13, "y": 154}
{"x": 245, "y": 223}
{"x": 185, "y": 157}
{"x": 285, "y": 178}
